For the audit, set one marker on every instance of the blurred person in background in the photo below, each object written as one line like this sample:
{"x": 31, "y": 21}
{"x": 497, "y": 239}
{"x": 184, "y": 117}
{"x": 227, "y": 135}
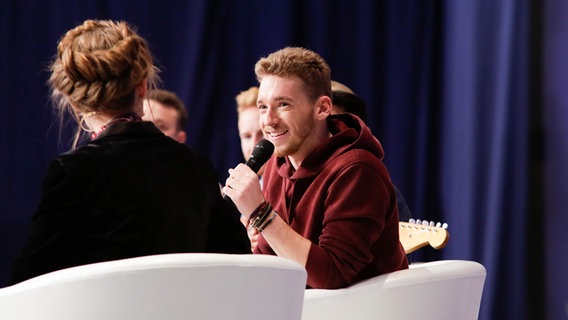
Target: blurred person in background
{"x": 168, "y": 113}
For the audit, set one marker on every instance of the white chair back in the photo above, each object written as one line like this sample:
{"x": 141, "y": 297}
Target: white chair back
{"x": 170, "y": 286}
{"x": 439, "y": 290}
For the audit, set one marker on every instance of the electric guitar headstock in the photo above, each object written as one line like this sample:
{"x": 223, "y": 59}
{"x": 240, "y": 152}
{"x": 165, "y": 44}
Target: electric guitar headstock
{"x": 416, "y": 234}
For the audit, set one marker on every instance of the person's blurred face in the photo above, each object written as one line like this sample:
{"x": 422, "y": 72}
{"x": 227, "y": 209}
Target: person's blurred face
{"x": 165, "y": 118}
{"x": 249, "y": 132}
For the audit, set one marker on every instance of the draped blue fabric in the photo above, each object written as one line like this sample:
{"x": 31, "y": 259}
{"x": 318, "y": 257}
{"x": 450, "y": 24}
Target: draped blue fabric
{"x": 468, "y": 99}
{"x": 554, "y": 158}
{"x": 484, "y": 143}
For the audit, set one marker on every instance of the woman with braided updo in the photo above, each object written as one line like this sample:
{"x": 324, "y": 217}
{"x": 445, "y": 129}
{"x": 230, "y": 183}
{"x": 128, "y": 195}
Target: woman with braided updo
{"x": 129, "y": 190}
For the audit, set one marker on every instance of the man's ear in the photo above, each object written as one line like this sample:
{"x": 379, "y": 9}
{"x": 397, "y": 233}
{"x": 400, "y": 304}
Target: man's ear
{"x": 323, "y": 107}
{"x": 181, "y": 136}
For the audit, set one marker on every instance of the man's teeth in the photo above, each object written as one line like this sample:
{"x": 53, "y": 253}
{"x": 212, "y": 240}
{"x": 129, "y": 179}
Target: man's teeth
{"x": 276, "y": 134}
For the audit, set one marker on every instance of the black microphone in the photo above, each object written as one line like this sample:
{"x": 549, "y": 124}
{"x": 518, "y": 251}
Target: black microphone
{"x": 260, "y": 154}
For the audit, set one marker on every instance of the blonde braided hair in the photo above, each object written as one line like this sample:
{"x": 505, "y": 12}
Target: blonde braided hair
{"x": 99, "y": 65}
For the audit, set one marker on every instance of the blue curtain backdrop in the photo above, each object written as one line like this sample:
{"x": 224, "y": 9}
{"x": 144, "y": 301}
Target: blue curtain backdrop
{"x": 468, "y": 98}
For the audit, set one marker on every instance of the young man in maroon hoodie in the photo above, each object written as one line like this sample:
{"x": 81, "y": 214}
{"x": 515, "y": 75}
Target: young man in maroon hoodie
{"x": 327, "y": 200}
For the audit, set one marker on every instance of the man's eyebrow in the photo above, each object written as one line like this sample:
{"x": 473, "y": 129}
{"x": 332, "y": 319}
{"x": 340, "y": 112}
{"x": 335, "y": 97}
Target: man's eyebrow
{"x": 279, "y": 98}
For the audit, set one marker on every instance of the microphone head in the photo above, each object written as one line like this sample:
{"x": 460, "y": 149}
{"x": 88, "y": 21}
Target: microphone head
{"x": 260, "y": 154}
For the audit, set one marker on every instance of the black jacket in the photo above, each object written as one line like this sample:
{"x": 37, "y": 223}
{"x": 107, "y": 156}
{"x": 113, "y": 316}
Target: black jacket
{"x": 130, "y": 192}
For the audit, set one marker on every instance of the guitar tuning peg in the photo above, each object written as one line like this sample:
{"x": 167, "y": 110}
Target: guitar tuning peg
{"x": 411, "y": 220}
{"x": 438, "y": 225}
{"x": 445, "y": 226}
{"x": 432, "y": 223}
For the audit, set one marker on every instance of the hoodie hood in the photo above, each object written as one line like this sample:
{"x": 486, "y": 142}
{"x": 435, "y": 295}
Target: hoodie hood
{"x": 348, "y": 132}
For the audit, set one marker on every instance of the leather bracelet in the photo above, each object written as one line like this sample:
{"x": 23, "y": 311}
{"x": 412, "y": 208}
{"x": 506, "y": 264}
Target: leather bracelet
{"x": 262, "y": 215}
{"x": 258, "y": 210}
{"x": 267, "y": 222}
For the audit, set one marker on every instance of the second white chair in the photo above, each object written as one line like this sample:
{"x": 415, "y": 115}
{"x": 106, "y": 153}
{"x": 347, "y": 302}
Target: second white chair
{"x": 439, "y": 290}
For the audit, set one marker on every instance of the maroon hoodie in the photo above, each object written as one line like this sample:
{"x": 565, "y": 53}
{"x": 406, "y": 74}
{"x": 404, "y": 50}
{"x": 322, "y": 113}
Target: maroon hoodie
{"x": 341, "y": 198}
